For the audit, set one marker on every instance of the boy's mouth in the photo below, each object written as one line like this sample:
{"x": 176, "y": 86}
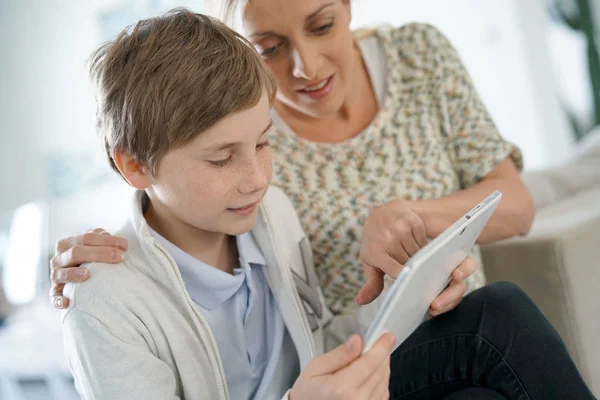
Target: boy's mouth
{"x": 245, "y": 210}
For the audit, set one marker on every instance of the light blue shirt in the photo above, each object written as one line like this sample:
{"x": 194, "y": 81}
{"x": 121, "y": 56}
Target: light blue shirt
{"x": 241, "y": 312}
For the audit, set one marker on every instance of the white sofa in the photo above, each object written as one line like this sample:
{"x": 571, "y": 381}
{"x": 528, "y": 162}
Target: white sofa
{"x": 558, "y": 263}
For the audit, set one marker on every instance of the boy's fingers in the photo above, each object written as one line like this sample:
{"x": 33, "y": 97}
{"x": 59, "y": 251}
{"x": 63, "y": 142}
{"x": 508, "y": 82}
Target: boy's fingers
{"x": 337, "y": 358}
{"x": 363, "y": 368}
{"x": 383, "y": 392}
{"x": 372, "y": 387}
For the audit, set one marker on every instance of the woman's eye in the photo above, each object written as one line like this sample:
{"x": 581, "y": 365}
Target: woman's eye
{"x": 323, "y": 29}
{"x": 220, "y": 163}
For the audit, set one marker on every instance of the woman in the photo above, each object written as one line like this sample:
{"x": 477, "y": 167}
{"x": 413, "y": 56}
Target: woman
{"x": 390, "y": 121}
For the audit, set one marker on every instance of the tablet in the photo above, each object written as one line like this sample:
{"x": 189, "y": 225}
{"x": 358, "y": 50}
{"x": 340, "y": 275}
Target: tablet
{"x": 427, "y": 274}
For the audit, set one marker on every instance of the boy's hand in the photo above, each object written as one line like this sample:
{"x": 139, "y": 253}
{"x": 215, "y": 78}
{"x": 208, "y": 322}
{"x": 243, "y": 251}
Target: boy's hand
{"x": 344, "y": 374}
{"x": 94, "y": 246}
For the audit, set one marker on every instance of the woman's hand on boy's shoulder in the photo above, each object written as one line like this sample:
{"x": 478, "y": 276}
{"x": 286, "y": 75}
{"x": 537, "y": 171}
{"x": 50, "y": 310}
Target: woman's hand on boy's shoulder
{"x": 96, "y": 245}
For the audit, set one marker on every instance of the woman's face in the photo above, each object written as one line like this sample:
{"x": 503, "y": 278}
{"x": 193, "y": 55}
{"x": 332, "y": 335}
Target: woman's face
{"x": 308, "y": 46}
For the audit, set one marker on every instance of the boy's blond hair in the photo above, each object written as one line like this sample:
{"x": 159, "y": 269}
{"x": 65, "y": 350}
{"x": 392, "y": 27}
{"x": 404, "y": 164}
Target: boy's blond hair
{"x": 167, "y": 79}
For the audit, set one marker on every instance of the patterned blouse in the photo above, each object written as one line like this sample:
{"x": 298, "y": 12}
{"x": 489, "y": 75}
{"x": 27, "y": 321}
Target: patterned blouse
{"x": 431, "y": 137}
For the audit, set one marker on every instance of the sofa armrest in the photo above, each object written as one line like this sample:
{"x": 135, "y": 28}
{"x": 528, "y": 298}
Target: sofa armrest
{"x": 558, "y": 265}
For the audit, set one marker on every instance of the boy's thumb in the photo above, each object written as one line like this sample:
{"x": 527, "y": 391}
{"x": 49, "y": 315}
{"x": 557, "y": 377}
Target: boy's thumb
{"x": 339, "y": 357}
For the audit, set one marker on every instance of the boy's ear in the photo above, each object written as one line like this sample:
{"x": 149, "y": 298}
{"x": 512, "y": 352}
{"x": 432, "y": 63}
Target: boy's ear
{"x": 135, "y": 174}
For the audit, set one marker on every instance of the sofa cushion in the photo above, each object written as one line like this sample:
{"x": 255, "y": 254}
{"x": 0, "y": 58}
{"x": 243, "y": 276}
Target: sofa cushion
{"x": 579, "y": 173}
{"x": 558, "y": 266}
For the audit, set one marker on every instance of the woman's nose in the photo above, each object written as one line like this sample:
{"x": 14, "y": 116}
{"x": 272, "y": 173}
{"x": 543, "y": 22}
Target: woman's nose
{"x": 305, "y": 63}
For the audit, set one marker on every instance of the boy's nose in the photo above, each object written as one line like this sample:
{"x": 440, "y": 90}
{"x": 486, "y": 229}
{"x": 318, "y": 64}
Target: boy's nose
{"x": 255, "y": 180}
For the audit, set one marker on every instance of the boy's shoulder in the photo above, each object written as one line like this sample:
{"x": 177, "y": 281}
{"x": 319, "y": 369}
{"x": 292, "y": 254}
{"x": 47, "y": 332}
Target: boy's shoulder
{"x": 109, "y": 287}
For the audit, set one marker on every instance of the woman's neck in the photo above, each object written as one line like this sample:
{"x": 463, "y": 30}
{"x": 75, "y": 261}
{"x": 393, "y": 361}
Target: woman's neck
{"x": 356, "y": 113}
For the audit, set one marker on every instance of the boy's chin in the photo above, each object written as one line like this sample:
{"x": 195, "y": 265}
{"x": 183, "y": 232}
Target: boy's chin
{"x": 241, "y": 226}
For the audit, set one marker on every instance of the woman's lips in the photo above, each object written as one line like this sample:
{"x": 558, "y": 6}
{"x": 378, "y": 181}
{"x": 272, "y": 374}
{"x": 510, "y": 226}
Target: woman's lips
{"x": 319, "y": 90}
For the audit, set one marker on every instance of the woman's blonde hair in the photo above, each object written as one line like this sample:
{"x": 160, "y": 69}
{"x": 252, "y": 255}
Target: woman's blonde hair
{"x": 231, "y": 12}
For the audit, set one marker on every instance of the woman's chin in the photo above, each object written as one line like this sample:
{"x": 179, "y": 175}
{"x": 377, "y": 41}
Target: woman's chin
{"x": 320, "y": 108}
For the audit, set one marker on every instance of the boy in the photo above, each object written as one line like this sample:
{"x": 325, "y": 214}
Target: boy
{"x": 216, "y": 297}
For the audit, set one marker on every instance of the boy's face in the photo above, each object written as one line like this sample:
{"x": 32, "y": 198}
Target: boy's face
{"x": 216, "y": 182}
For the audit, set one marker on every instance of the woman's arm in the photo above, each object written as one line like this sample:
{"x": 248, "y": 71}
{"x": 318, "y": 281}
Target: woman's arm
{"x": 482, "y": 160}
{"x": 513, "y": 216}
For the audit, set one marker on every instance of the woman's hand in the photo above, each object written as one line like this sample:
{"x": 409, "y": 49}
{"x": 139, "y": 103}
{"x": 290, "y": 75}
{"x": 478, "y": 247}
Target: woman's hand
{"x": 94, "y": 246}
{"x": 392, "y": 233}
{"x": 453, "y": 294}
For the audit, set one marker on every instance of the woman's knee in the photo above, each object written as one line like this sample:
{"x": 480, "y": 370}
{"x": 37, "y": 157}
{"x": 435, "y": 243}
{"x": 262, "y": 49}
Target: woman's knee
{"x": 501, "y": 291}
{"x": 509, "y": 301}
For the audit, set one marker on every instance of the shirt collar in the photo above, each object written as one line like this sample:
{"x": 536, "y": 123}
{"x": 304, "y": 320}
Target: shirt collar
{"x": 207, "y": 285}
{"x": 248, "y": 250}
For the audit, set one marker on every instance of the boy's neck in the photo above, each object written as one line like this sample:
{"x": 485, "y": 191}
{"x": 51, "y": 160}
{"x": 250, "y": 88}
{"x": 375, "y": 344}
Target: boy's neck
{"x": 218, "y": 250}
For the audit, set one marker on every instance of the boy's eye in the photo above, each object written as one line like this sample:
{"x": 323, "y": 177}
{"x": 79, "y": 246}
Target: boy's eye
{"x": 262, "y": 145}
{"x": 220, "y": 163}
{"x": 323, "y": 29}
